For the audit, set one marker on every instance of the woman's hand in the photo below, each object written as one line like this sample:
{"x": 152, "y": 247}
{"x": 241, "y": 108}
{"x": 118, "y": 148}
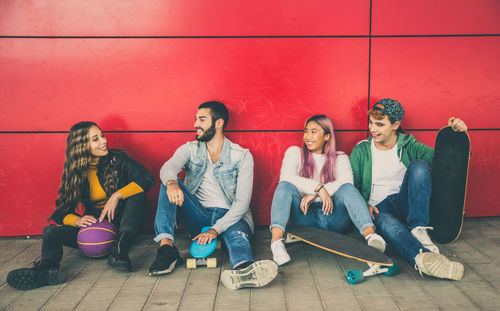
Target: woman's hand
{"x": 85, "y": 221}
{"x": 110, "y": 207}
{"x": 457, "y": 125}
{"x": 306, "y": 200}
{"x": 327, "y": 201}
{"x": 206, "y": 237}
{"x": 174, "y": 193}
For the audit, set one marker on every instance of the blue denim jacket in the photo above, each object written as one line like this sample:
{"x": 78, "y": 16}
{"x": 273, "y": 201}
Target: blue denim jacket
{"x": 233, "y": 172}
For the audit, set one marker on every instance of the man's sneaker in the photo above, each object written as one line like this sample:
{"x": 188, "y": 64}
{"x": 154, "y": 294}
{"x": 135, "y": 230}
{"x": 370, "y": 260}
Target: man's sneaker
{"x": 280, "y": 255}
{"x": 420, "y": 233}
{"x": 166, "y": 260}
{"x": 438, "y": 266}
{"x": 43, "y": 273}
{"x": 376, "y": 241}
{"x": 258, "y": 274}
{"x": 118, "y": 259}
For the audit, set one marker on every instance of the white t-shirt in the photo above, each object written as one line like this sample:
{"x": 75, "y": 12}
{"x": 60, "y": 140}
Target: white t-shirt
{"x": 290, "y": 169}
{"x": 388, "y": 173}
{"x": 209, "y": 193}
{"x": 319, "y": 160}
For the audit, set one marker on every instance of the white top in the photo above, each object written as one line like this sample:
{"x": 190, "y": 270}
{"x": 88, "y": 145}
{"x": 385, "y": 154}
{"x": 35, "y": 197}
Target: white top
{"x": 388, "y": 173}
{"x": 290, "y": 169}
{"x": 209, "y": 193}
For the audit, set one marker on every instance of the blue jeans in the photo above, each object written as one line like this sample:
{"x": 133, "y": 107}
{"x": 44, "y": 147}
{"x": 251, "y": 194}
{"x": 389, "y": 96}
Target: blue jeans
{"x": 401, "y": 212}
{"x": 347, "y": 204}
{"x": 193, "y": 216}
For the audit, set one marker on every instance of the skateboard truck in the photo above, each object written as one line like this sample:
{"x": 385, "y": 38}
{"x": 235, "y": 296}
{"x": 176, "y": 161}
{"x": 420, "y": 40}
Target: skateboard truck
{"x": 358, "y": 276}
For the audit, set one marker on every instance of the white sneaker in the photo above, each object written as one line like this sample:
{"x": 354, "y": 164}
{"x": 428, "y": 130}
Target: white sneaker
{"x": 376, "y": 241}
{"x": 258, "y": 274}
{"x": 420, "y": 233}
{"x": 438, "y": 266}
{"x": 280, "y": 255}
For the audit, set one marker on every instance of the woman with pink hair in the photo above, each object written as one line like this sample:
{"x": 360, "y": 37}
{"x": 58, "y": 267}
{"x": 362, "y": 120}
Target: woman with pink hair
{"x": 316, "y": 189}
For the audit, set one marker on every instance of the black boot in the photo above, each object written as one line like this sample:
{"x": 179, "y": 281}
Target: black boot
{"x": 43, "y": 273}
{"x": 118, "y": 259}
{"x": 166, "y": 260}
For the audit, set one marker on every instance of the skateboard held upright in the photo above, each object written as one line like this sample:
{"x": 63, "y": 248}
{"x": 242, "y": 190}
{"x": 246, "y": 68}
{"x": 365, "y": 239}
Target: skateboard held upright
{"x": 450, "y": 168}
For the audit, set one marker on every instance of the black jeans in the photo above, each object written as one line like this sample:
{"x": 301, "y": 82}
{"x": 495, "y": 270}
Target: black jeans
{"x": 128, "y": 219}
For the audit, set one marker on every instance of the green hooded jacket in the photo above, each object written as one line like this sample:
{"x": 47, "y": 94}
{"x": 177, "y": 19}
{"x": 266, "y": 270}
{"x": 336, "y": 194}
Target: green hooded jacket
{"x": 409, "y": 149}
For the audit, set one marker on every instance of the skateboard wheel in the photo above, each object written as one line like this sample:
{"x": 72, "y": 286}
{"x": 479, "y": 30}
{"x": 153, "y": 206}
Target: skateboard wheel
{"x": 354, "y": 276}
{"x": 191, "y": 263}
{"x": 219, "y": 245}
{"x": 211, "y": 262}
{"x": 394, "y": 269}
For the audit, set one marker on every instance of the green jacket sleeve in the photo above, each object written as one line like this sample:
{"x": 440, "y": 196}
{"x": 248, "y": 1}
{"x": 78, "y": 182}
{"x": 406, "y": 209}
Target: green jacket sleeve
{"x": 423, "y": 152}
{"x": 356, "y": 167}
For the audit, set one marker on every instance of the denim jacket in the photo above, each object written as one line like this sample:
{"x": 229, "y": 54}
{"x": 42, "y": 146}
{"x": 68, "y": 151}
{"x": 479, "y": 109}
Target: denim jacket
{"x": 233, "y": 173}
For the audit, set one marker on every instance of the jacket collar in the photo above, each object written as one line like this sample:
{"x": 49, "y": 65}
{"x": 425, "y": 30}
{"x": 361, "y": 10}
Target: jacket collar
{"x": 225, "y": 156}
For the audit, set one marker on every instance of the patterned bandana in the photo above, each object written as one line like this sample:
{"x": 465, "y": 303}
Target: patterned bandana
{"x": 392, "y": 108}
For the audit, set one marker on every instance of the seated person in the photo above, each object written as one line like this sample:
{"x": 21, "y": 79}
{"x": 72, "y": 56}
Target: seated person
{"x": 316, "y": 189}
{"x": 216, "y": 192}
{"x": 110, "y": 185}
{"x": 392, "y": 172}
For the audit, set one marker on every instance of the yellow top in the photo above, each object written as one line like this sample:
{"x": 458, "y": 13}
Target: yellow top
{"x": 97, "y": 194}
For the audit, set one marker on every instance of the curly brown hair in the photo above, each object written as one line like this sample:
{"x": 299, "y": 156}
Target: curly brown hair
{"x": 76, "y": 163}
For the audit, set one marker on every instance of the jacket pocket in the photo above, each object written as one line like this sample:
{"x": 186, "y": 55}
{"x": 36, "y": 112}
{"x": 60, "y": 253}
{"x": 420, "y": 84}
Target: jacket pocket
{"x": 229, "y": 179}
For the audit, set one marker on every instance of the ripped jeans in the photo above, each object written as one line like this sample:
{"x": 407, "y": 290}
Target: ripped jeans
{"x": 193, "y": 216}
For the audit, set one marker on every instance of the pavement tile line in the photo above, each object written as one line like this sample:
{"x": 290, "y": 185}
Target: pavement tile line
{"x": 479, "y": 290}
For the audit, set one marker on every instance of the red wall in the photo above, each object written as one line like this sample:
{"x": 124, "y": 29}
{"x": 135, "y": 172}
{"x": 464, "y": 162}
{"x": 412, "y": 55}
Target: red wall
{"x": 140, "y": 69}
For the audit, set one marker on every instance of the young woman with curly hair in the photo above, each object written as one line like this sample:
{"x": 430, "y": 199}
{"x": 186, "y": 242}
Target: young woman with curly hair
{"x": 109, "y": 184}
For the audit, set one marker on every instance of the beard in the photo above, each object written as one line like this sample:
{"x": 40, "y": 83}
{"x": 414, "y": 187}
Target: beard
{"x": 208, "y": 134}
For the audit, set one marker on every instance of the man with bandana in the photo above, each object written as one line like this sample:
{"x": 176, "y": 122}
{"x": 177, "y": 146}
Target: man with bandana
{"x": 392, "y": 172}
{"x": 216, "y": 192}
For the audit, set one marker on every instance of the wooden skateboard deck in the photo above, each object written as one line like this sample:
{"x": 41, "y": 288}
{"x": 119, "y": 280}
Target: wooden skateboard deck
{"x": 339, "y": 244}
{"x": 450, "y": 168}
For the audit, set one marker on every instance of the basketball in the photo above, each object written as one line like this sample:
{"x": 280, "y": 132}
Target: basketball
{"x": 96, "y": 240}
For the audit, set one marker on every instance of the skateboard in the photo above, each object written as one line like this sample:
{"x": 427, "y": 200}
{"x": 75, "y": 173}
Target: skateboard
{"x": 450, "y": 168}
{"x": 201, "y": 253}
{"x": 345, "y": 246}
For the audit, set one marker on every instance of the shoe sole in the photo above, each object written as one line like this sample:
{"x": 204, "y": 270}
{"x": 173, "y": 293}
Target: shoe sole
{"x": 378, "y": 245}
{"x": 282, "y": 262}
{"x": 171, "y": 268}
{"x": 27, "y": 278}
{"x": 258, "y": 274}
{"x": 453, "y": 270}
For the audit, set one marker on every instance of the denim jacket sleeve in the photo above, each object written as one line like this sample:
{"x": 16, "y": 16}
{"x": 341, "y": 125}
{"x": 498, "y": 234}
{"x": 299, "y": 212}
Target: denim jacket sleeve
{"x": 175, "y": 164}
{"x": 241, "y": 203}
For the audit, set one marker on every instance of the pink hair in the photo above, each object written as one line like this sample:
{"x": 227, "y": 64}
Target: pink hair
{"x": 308, "y": 165}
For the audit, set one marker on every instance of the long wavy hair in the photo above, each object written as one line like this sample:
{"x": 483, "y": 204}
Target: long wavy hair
{"x": 308, "y": 165}
{"x": 76, "y": 163}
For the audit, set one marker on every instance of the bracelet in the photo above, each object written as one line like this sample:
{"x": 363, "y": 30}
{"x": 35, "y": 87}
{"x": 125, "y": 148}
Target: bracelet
{"x": 317, "y": 191}
{"x": 171, "y": 183}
